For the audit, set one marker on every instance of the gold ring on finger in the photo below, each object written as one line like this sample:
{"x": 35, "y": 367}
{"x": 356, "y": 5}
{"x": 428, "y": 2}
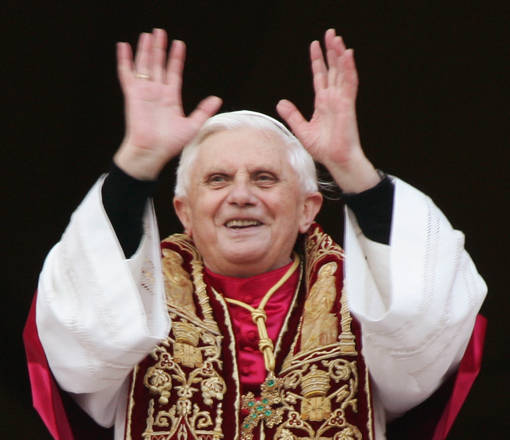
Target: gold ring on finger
{"x": 142, "y": 75}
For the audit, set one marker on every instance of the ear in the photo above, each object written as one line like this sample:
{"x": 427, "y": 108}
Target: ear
{"x": 182, "y": 209}
{"x": 311, "y": 207}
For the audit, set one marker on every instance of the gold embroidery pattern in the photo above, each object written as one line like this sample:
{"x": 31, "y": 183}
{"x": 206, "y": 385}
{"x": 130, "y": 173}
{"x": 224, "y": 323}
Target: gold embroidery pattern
{"x": 305, "y": 407}
{"x": 131, "y": 404}
{"x": 186, "y": 341}
{"x": 320, "y": 326}
{"x": 309, "y": 374}
{"x": 308, "y": 386}
{"x": 185, "y": 374}
{"x": 315, "y": 382}
{"x": 369, "y": 396}
{"x": 317, "y": 246}
{"x": 188, "y": 363}
{"x": 184, "y": 242}
{"x": 346, "y": 338}
{"x": 232, "y": 348}
{"x": 178, "y": 285}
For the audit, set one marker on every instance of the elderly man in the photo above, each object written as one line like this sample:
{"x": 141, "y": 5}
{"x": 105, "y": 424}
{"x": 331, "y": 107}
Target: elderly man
{"x": 249, "y": 325}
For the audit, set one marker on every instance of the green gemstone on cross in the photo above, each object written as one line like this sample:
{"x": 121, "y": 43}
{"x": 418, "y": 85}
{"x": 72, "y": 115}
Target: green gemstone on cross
{"x": 250, "y": 404}
{"x": 267, "y": 412}
{"x": 270, "y": 382}
{"x": 260, "y": 408}
{"x": 254, "y": 416}
{"x": 265, "y": 401}
{"x": 247, "y": 426}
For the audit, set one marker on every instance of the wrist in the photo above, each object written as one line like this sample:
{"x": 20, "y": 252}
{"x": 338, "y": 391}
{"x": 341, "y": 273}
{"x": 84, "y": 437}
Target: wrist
{"x": 137, "y": 162}
{"x": 355, "y": 176}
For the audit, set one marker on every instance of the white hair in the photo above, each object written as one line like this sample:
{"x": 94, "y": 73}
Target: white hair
{"x": 299, "y": 158}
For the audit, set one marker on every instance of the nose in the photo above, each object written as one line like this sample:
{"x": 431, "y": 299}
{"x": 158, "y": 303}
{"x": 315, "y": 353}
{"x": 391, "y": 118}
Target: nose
{"x": 241, "y": 193}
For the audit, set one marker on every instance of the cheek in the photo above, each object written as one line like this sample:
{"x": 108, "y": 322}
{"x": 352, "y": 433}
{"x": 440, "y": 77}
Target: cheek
{"x": 205, "y": 213}
{"x": 288, "y": 219}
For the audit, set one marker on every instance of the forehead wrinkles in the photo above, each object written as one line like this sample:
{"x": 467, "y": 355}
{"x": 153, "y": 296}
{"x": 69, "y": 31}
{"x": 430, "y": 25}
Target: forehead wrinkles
{"x": 249, "y": 148}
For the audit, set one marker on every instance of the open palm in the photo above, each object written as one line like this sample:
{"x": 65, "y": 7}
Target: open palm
{"x": 331, "y": 136}
{"x": 156, "y": 127}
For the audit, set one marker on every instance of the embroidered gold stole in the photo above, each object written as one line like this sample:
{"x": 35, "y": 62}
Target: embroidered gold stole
{"x": 188, "y": 386}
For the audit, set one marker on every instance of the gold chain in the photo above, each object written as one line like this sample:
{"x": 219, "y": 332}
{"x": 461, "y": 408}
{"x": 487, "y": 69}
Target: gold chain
{"x": 258, "y": 315}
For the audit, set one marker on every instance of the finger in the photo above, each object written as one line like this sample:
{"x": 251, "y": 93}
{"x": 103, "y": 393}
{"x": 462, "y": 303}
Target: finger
{"x": 124, "y": 64}
{"x": 332, "y": 56}
{"x": 350, "y": 74}
{"x": 338, "y": 45}
{"x": 205, "y": 109}
{"x": 175, "y": 67}
{"x": 329, "y": 35}
{"x": 292, "y": 116}
{"x": 158, "y": 54}
{"x": 319, "y": 69}
{"x": 143, "y": 54}
{"x": 332, "y": 68}
{"x": 329, "y": 39}
{"x": 339, "y": 49}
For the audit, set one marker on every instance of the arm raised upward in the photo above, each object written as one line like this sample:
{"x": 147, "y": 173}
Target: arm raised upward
{"x": 156, "y": 127}
{"x": 331, "y": 136}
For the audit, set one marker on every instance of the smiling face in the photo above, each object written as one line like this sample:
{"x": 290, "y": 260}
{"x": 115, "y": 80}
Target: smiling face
{"x": 244, "y": 206}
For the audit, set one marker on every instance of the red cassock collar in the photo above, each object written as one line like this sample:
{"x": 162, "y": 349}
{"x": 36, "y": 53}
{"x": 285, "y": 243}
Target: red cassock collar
{"x": 252, "y": 371}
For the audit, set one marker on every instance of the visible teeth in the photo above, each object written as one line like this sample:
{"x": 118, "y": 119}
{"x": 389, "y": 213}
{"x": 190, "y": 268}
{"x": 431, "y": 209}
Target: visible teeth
{"x": 242, "y": 223}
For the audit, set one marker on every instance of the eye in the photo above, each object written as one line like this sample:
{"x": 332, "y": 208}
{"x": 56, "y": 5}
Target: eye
{"x": 217, "y": 180}
{"x": 265, "y": 179}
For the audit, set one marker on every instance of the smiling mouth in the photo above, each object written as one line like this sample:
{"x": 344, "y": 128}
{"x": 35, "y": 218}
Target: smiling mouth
{"x": 241, "y": 224}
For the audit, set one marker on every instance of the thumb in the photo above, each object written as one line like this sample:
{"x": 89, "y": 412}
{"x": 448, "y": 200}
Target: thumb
{"x": 205, "y": 109}
{"x": 292, "y": 116}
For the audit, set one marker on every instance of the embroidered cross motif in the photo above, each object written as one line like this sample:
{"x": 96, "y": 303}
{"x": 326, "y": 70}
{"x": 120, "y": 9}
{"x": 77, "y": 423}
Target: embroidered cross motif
{"x": 263, "y": 409}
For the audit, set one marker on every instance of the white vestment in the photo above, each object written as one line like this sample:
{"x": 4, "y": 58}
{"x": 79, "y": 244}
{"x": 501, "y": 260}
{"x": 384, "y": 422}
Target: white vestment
{"x": 99, "y": 314}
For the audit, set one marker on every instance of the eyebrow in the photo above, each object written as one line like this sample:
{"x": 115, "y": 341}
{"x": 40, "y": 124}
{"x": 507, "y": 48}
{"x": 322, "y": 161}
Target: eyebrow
{"x": 265, "y": 169}
{"x": 215, "y": 170}
{"x": 269, "y": 168}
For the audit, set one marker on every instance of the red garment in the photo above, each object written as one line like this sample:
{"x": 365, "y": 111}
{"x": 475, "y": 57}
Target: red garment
{"x": 433, "y": 419}
{"x": 468, "y": 371}
{"x": 56, "y": 409}
{"x": 252, "y": 370}
{"x": 45, "y": 392}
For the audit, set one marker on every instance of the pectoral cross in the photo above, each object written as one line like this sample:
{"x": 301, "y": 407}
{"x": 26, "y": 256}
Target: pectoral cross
{"x": 264, "y": 409}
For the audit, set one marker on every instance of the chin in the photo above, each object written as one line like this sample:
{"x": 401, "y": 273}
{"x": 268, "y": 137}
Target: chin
{"x": 245, "y": 256}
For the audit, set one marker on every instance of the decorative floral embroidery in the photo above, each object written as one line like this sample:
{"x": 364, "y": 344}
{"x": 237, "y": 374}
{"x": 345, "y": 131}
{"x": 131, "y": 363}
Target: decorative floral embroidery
{"x": 186, "y": 374}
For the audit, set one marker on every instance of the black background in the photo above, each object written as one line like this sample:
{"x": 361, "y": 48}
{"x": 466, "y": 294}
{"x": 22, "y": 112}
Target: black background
{"x": 432, "y": 109}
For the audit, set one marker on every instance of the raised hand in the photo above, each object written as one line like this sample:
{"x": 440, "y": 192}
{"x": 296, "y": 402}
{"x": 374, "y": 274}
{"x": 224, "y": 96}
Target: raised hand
{"x": 156, "y": 127}
{"x": 331, "y": 136}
